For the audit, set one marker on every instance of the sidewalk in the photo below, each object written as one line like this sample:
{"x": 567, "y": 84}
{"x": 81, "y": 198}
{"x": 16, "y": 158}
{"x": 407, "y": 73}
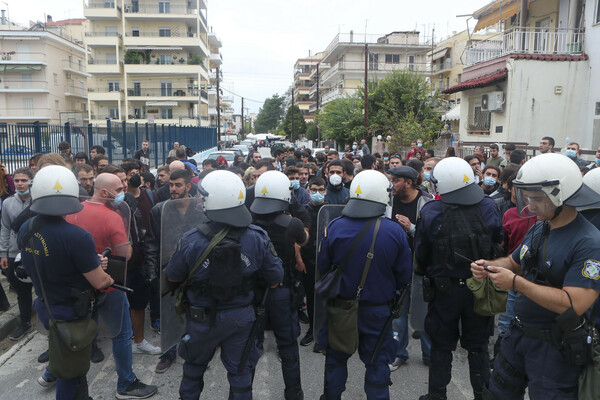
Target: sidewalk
{"x": 9, "y": 320}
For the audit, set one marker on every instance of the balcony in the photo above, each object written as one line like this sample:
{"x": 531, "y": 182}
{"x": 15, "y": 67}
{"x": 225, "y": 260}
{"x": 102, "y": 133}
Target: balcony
{"x": 34, "y": 114}
{"x": 104, "y": 94}
{"x": 216, "y": 60}
{"x": 334, "y": 94}
{"x": 173, "y": 69}
{"x": 312, "y": 108}
{"x": 156, "y": 39}
{"x": 103, "y": 39}
{"x": 527, "y": 40}
{"x": 102, "y": 10}
{"x": 72, "y": 91}
{"x": 302, "y": 90}
{"x": 162, "y": 92}
{"x": 227, "y": 99}
{"x": 13, "y": 57}
{"x": 214, "y": 40}
{"x": 24, "y": 87}
{"x": 74, "y": 67}
{"x": 104, "y": 66}
{"x": 165, "y": 10}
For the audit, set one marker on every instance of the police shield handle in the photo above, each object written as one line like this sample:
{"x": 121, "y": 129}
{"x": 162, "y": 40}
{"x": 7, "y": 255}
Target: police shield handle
{"x": 105, "y": 255}
{"x": 395, "y": 313}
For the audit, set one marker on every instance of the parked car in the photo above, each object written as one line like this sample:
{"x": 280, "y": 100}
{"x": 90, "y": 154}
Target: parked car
{"x": 17, "y": 151}
{"x": 229, "y": 155}
{"x": 243, "y": 148}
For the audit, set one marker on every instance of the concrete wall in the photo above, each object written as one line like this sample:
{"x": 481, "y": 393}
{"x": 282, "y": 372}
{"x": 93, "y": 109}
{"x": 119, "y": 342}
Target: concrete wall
{"x": 592, "y": 48}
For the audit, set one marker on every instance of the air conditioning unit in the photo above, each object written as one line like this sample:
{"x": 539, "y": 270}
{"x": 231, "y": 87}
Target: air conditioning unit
{"x": 493, "y": 101}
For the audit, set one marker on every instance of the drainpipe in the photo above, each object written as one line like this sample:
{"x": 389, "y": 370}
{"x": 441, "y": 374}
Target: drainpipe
{"x": 524, "y": 12}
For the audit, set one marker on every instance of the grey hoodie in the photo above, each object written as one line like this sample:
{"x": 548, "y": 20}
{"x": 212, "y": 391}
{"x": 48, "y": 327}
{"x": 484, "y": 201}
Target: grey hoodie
{"x": 11, "y": 208}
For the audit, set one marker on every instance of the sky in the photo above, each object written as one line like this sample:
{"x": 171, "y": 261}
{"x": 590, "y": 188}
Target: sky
{"x": 262, "y": 39}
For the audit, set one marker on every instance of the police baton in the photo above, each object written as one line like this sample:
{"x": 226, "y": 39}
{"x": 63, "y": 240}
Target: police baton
{"x": 107, "y": 251}
{"x": 473, "y": 262}
{"x": 395, "y": 313}
{"x": 260, "y": 316}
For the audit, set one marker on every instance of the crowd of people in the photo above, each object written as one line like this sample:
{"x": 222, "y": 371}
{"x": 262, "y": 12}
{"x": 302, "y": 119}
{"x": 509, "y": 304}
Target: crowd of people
{"x": 443, "y": 213}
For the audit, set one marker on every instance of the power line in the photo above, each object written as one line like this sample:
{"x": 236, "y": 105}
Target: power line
{"x": 240, "y": 96}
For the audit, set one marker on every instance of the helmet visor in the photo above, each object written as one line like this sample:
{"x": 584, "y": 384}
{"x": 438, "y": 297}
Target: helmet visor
{"x": 533, "y": 201}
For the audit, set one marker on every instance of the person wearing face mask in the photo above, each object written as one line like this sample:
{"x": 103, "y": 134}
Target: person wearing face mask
{"x": 572, "y": 152}
{"x": 356, "y": 151}
{"x": 428, "y": 167}
{"x": 336, "y": 192}
{"x": 596, "y": 163}
{"x": 293, "y": 174}
{"x": 490, "y": 183}
{"x": 11, "y": 208}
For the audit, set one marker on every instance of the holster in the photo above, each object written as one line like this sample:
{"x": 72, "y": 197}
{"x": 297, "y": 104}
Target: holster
{"x": 575, "y": 336}
{"x": 428, "y": 289}
{"x": 82, "y": 303}
{"x": 197, "y": 314}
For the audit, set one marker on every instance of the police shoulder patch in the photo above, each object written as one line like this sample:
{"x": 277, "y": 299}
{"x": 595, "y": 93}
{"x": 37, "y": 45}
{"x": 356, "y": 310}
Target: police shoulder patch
{"x": 524, "y": 249}
{"x": 591, "y": 269}
{"x": 273, "y": 251}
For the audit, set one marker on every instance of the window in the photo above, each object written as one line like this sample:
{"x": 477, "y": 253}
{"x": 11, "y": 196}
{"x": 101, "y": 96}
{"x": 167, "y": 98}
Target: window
{"x": 479, "y": 120}
{"x": 166, "y": 59}
{"x": 373, "y": 62}
{"x": 26, "y": 79}
{"x": 135, "y": 6}
{"x": 137, "y": 89}
{"x": 135, "y": 32}
{"x": 597, "y": 108}
{"x": 111, "y": 58}
{"x": 392, "y": 58}
{"x": 164, "y": 7}
{"x": 55, "y": 77}
{"x": 166, "y": 113}
{"x": 28, "y": 106}
{"x": 23, "y": 52}
{"x": 164, "y": 32}
{"x": 109, "y": 4}
{"x": 113, "y": 113}
{"x": 111, "y": 31}
{"x": 114, "y": 86}
{"x": 166, "y": 89}
{"x": 411, "y": 63}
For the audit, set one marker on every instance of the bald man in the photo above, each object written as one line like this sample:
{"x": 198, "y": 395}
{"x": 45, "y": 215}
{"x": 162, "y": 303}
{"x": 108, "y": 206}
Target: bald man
{"x": 164, "y": 192}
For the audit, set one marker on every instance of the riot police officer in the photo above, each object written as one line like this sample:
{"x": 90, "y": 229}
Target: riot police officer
{"x": 556, "y": 272}
{"x": 464, "y": 224}
{"x": 66, "y": 257}
{"x": 272, "y": 196}
{"x": 390, "y": 270}
{"x": 220, "y": 289}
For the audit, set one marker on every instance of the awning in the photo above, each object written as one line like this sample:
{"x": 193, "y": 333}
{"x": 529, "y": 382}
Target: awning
{"x": 162, "y": 103}
{"x": 22, "y": 67}
{"x": 482, "y": 81}
{"x": 153, "y": 48}
{"x": 496, "y": 12}
{"x": 440, "y": 53}
{"x": 452, "y": 115}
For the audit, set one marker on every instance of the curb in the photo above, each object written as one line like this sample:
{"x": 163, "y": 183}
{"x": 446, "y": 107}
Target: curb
{"x": 8, "y": 323}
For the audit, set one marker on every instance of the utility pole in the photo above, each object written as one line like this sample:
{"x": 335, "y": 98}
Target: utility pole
{"x": 366, "y": 87}
{"x": 318, "y": 129}
{"x": 431, "y": 63}
{"x": 218, "y": 107}
{"x": 292, "y": 134}
{"x": 242, "y": 131}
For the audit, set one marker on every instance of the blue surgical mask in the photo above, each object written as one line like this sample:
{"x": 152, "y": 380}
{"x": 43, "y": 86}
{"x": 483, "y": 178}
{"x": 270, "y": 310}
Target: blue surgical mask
{"x": 317, "y": 197}
{"x": 354, "y": 147}
{"x": 24, "y": 193}
{"x": 419, "y": 144}
{"x": 489, "y": 181}
{"x": 119, "y": 198}
{"x": 385, "y": 158}
{"x": 427, "y": 176}
{"x": 598, "y": 161}
{"x": 296, "y": 184}
{"x": 571, "y": 153}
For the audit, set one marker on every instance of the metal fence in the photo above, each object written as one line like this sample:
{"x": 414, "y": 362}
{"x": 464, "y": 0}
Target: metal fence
{"x": 18, "y": 142}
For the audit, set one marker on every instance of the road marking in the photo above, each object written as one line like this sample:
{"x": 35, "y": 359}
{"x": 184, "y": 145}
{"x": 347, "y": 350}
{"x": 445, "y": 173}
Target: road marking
{"x": 20, "y": 385}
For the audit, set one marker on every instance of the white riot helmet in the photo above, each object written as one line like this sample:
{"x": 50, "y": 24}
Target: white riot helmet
{"x": 272, "y": 193}
{"x": 557, "y": 181}
{"x": 55, "y": 191}
{"x": 592, "y": 180}
{"x": 455, "y": 182}
{"x": 223, "y": 195}
{"x": 369, "y": 195}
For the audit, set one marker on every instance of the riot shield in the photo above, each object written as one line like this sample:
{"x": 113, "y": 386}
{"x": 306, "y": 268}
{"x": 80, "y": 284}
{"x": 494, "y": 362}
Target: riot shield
{"x": 327, "y": 213}
{"x": 108, "y": 222}
{"x": 178, "y": 217}
{"x": 418, "y": 306}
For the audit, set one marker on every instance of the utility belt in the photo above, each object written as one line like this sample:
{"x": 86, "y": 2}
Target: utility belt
{"x": 201, "y": 314}
{"x": 533, "y": 333}
{"x": 82, "y": 303}
{"x": 440, "y": 285}
{"x": 346, "y": 303}
{"x": 203, "y": 288}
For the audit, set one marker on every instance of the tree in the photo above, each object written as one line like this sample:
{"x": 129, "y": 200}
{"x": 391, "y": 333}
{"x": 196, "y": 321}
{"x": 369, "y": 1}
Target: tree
{"x": 299, "y": 123}
{"x": 342, "y": 119}
{"x": 269, "y": 115}
{"x": 311, "y": 131}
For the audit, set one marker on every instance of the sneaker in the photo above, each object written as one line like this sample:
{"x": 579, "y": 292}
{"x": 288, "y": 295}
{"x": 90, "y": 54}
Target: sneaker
{"x": 398, "y": 362}
{"x": 164, "y": 363}
{"x": 155, "y": 326}
{"x": 144, "y": 347}
{"x": 44, "y": 357}
{"x": 302, "y": 317}
{"x": 318, "y": 348}
{"x": 137, "y": 390}
{"x": 307, "y": 339}
{"x": 20, "y": 332}
{"x": 47, "y": 380}
{"x": 97, "y": 355}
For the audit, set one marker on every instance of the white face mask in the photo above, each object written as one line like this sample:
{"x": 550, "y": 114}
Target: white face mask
{"x": 335, "y": 180}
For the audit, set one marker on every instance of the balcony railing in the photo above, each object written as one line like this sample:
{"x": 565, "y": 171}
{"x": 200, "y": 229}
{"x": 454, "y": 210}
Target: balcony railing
{"x": 76, "y": 91}
{"x": 162, "y": 92}
{"x": 408, "y": 39}
{"x": 157, "y": 34}
{"x": 105, "y": 4}
{"x": 24, "y": 85}
{"x": 204, "y": 94}
{"x": 74, "y": 65}
{"x": 103, "y": 34}
{"x": 15, "y": 56}
{"x": 104, "y": 90}
{"x": 527, "y": 40}
{"x": 313, "y": 107}
{"x": 98, "y": 61}
{"x": 160, "y": 9}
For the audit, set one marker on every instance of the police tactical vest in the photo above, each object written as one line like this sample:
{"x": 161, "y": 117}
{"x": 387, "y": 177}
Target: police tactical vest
{"x": 464, "y": 232}
{"x": 276, "y": 229}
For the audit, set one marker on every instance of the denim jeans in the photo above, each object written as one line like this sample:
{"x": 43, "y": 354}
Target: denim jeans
{"x": 504, "y": 319}
{"x": 400, "y": 325}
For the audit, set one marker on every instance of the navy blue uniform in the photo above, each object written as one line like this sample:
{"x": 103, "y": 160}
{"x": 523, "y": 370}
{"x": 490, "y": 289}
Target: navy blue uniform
{"x": 391, "y": 269}
{"x": 65, "y": 252}
{"x": 234, "y": 318}
{"x": 450, "y": 314}
{"x": 569, "y": 257}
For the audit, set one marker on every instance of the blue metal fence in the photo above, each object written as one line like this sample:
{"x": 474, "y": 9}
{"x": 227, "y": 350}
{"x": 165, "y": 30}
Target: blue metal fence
{"x": 18, "y": 142}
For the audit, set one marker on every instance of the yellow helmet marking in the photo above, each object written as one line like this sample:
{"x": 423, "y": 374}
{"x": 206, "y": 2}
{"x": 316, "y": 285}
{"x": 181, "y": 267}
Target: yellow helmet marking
{"x": 241, "y": 196}
{"x": 466, "y": 178}
{"x": 57, "y": 186}
{"x": 264, "y": 190}
{"x": 358, "y": 191}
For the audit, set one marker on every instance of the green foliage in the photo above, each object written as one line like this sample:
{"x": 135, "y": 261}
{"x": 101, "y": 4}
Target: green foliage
{"x": 195, "y": 59}
{"x": 269, "y": 115}
{"x": 342, "y": 119}
{"x": 132, "y": 57}
{"x": 299, "y": 123}
{"x": 311, "y": 131}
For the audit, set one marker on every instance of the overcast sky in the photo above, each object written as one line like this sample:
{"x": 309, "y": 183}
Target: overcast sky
{"x": 263, "y": 38}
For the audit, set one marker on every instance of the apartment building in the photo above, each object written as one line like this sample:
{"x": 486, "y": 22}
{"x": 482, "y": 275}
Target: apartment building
{"x": 532, "y": 79}
{"x": 148, "y": 60}
{"x": 42, "y": 76}
{"x": 304, "y": 81}
{"x": 342, "y": 68}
